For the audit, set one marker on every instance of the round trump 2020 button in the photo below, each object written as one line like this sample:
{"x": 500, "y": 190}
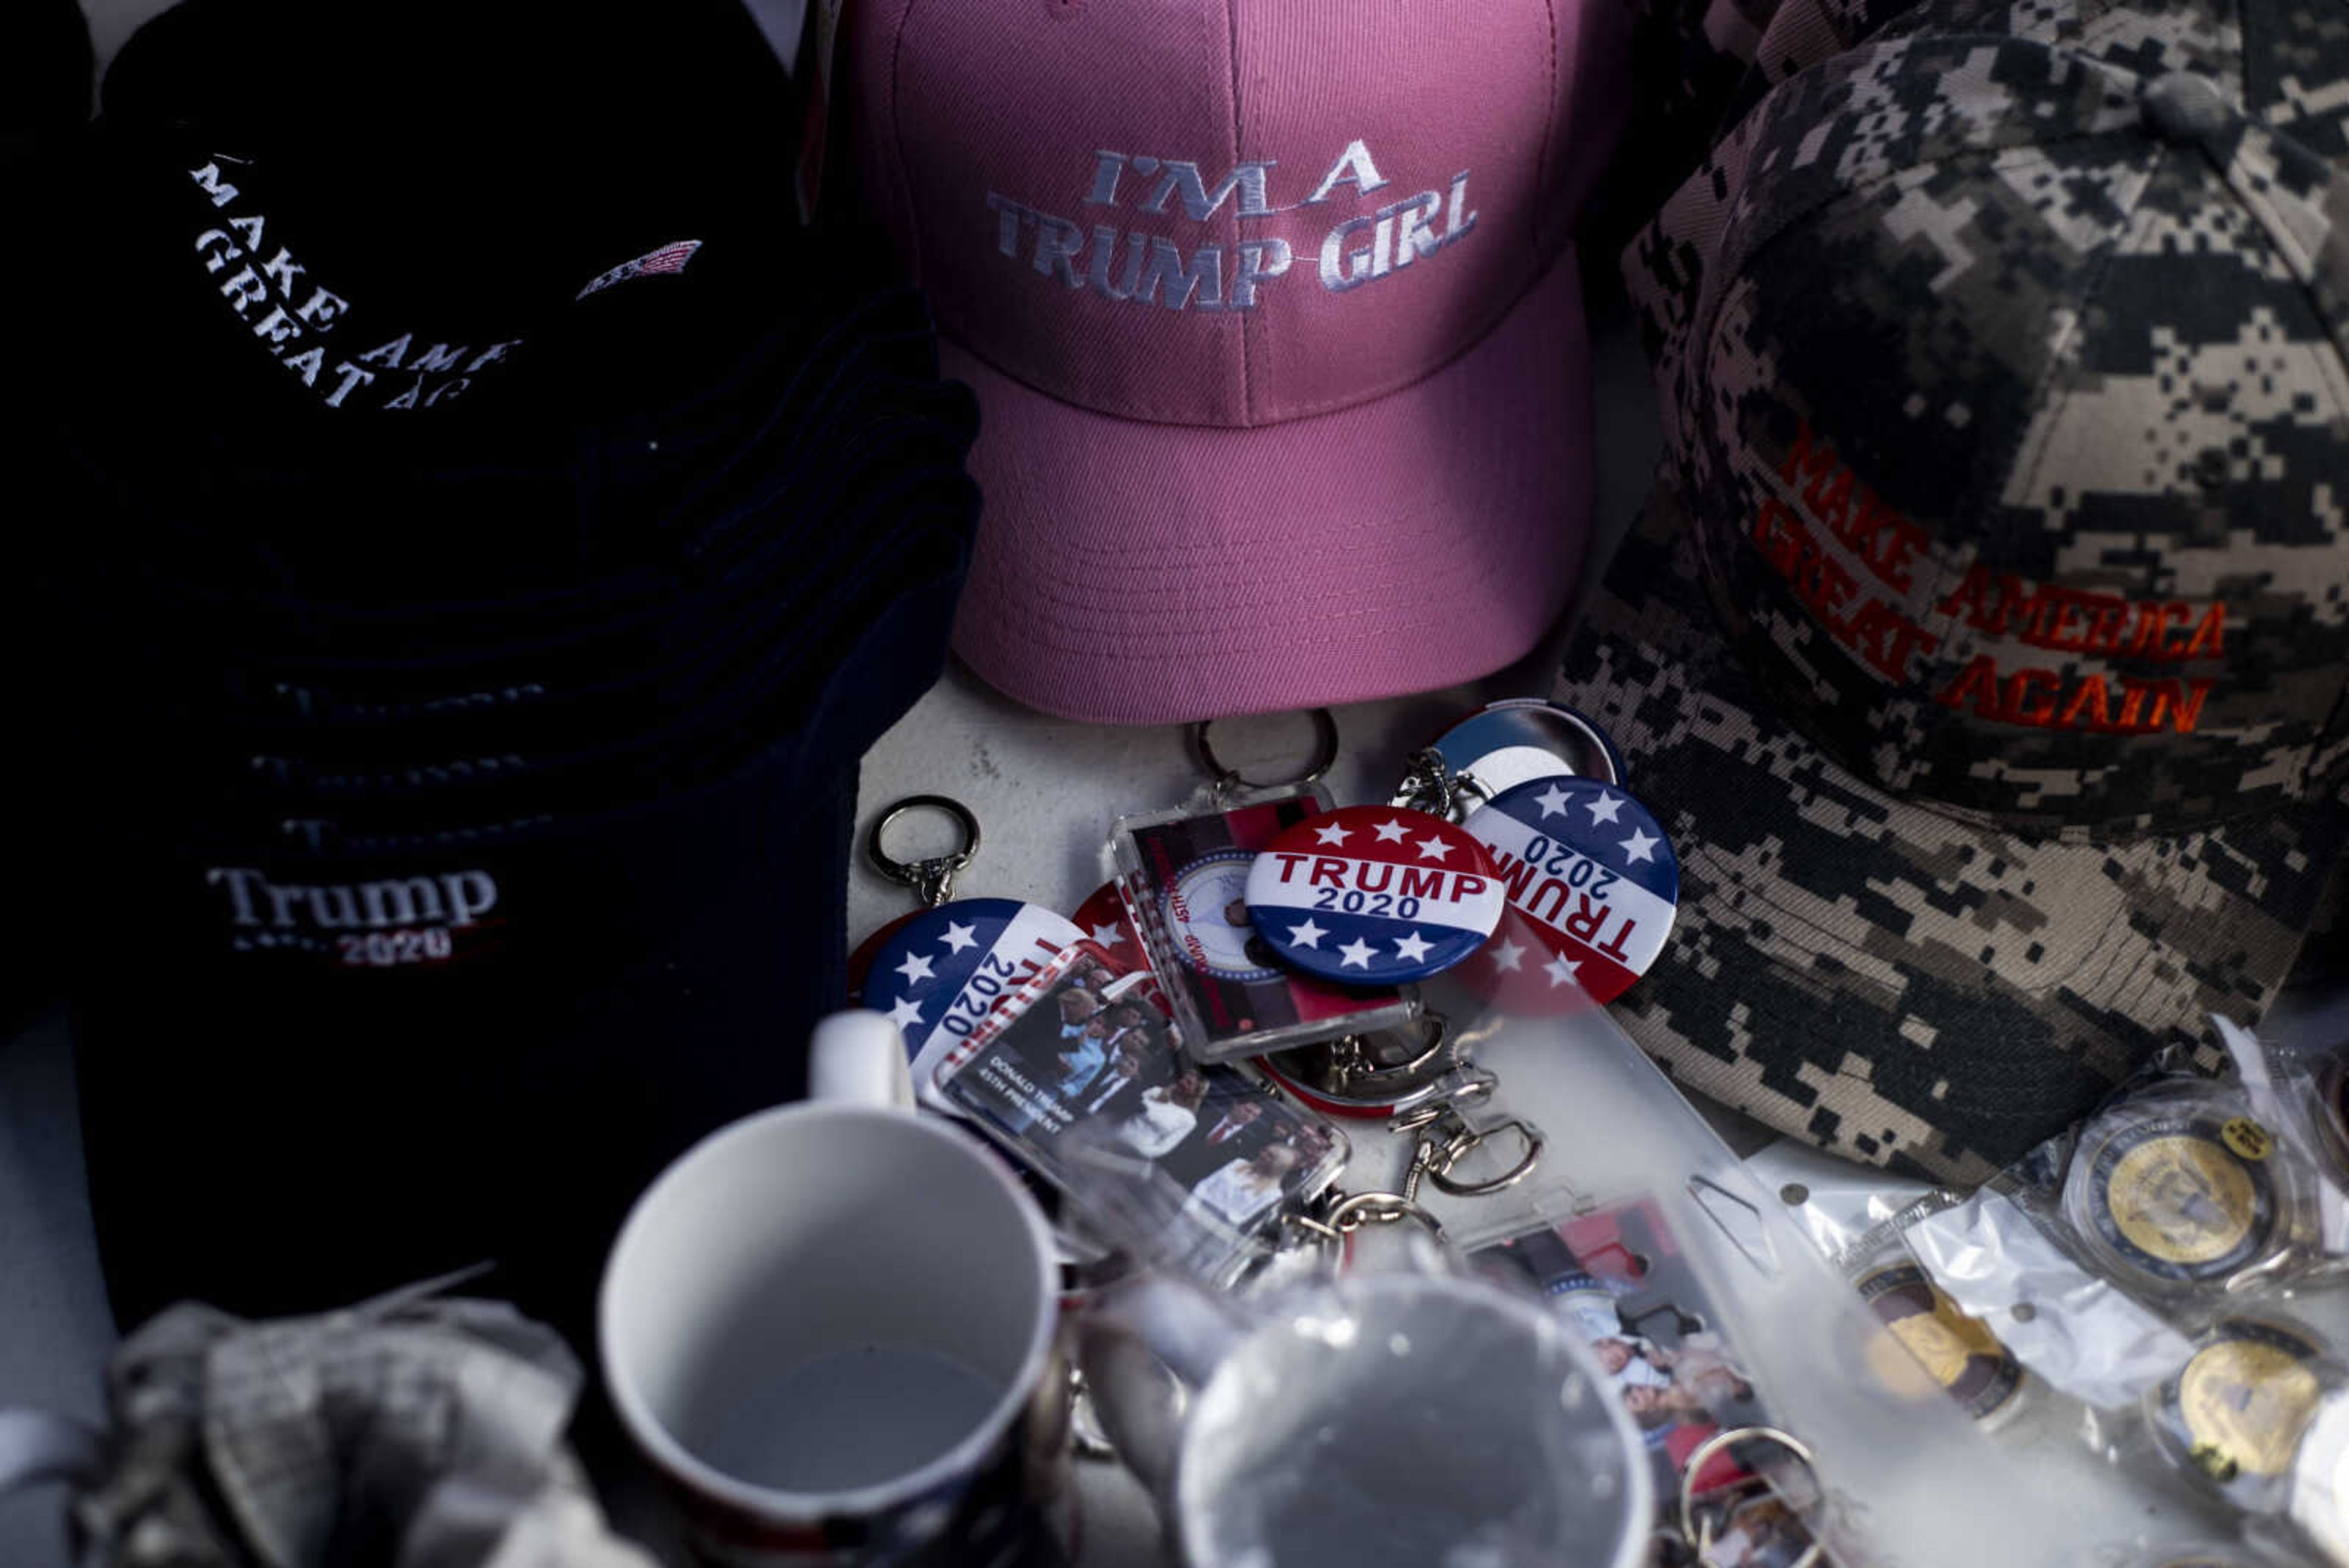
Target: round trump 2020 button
{"x": 1592, "y": 885}
{"x": 1373, "y": 895}
{"x": 937, "y": 975}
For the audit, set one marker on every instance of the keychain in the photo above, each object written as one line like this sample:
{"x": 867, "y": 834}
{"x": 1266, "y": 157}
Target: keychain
{"x": 1373, "y": 1075}
{"x": 1444, "y": 1139}
{"x": 1182, "y": 881}
{"x": 1179, "y": 1162}
{"x": 1373, "y": 895}
{"x": 1593, "y": 886}
{"x": 1743, "y": 1522}
{"x": 938, "y": 971}
{"x": 1504, "y": 745}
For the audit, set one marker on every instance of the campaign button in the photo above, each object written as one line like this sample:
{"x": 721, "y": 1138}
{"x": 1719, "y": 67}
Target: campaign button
{"x": 1520, "y": 738}
{"x": 1373, "y": 895}
{"x": 860, "y": 962}
{"x": 1592, "y": 886}
{"x": 1103, "y": 917}
{"x": 939, "y": 974}
{"x": 1105, "y": 921}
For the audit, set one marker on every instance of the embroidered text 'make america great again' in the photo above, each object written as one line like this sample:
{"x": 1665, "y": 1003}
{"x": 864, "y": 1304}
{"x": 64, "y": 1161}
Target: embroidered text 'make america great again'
{"x": 2048, "y": 616}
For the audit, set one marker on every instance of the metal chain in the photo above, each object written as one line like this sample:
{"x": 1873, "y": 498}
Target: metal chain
{"x": 1431, "y": 785}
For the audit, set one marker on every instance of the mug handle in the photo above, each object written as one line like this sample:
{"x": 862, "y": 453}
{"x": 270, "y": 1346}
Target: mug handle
{"x": 857, "y": 1057}
{"x": 37, "y": 1447}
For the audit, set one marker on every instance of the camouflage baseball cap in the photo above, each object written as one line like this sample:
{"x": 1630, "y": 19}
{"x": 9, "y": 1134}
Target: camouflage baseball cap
{"x": 2283, "y": 62}
{"x": 1984, "y": 644}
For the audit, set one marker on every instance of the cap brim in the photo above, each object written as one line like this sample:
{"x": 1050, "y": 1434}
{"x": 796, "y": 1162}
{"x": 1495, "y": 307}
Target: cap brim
{"x": 1136, "y": 573}
{"x": 1876, "y": 976}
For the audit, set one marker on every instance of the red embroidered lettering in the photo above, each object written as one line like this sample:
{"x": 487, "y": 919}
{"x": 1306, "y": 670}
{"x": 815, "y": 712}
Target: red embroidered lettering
{"x": 1799, "y": 455}
{"x": 2076, "y": 708}
{"x": 1977, "y": 682}
{"x": 2210, "y": 639}
{"x": 2022, "y": 707}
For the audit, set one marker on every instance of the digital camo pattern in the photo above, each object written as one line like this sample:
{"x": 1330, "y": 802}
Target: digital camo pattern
{"x": 1885, "y": 981}
{"x": 1702, "y": 64}
{"x": 2284, "y": 62}
{"x": 2012, "y": 438}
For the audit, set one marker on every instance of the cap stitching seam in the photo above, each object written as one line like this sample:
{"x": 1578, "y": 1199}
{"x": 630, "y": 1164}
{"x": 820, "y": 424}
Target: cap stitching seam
{"x": 1549, "y": 130}
{"x": 2305, "y": 268}
{"x": 1248, "y": 318}
{"x": 898, "y": 139}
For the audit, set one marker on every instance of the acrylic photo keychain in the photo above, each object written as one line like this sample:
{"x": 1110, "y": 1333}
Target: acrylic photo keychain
{"x": 1183, "y": 874}
{"x": 1179, "y": 1162}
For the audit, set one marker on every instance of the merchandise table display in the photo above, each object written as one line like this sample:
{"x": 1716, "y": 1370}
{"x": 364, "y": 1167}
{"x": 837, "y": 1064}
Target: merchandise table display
{"x": 1895, "y": 711}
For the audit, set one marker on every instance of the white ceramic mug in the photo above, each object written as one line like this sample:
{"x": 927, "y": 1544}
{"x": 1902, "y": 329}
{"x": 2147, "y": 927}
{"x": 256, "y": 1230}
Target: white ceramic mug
{"x": 831, "y": 1327}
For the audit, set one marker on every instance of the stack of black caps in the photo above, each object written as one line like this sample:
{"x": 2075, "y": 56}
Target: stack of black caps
{"x": 489, "y": 534}
{"x": 45, "y": 67}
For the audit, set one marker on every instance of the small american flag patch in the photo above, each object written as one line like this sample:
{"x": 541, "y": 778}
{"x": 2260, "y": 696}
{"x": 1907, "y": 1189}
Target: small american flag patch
{"x": 669, "y": 258}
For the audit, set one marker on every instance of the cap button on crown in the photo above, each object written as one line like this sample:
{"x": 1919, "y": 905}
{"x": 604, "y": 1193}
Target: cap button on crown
{"x": 2182, "y": 106}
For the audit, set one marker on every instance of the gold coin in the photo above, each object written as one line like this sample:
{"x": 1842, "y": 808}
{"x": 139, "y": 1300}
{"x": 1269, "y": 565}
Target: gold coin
{"x": 2181, "y": 1197}
{"x": 2244, "y": 1402}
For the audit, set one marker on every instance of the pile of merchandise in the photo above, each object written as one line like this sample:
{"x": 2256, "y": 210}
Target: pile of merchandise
{"x": 481, "y": 550}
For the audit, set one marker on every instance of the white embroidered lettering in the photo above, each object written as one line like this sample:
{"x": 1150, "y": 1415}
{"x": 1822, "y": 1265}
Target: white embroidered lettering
{"x": 321, "y": 309}
{"x": 1203, "y": 273}
{"x": 284, "y": 269}
{"x": 440, "y": 357}
{"x": 1353, "y": 167}
{"x": 1178, "y": 177}
{"x": 1259, "y": 260}
{"x": 1058, "y": 242}
{"x": 277, "y": 329}
{"x": 1107, "y": 167}
{"x": 209, "y": 177}
{"x": 387, "y": 355}
{"x": 244, "y": 290}
{"x": 216, "y": 259}
{"x": 352, "y": 377}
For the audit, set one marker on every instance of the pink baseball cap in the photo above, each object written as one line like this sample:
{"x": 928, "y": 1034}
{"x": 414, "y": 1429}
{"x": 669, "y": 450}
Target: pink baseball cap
{"x": 1274, "y": 324}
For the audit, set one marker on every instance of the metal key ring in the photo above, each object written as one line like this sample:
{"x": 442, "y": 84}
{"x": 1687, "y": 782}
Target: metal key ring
{"x": 932, "y": 878}
{"x": 1474, "y": 1083}
{"x": 1436, "y": 1032}
{"x": 1378, "y": 1209}
{"x": 1703, "y": 1454}
{"x": 1439, "y": 1169}
{"x": 1227, "y": 780}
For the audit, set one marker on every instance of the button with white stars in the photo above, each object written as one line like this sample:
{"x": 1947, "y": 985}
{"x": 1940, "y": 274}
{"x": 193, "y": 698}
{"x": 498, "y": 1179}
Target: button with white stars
{"x": 1592, "y": 885}
{"x": 937, "y": 974}
{"x": 1373, "y": 895}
